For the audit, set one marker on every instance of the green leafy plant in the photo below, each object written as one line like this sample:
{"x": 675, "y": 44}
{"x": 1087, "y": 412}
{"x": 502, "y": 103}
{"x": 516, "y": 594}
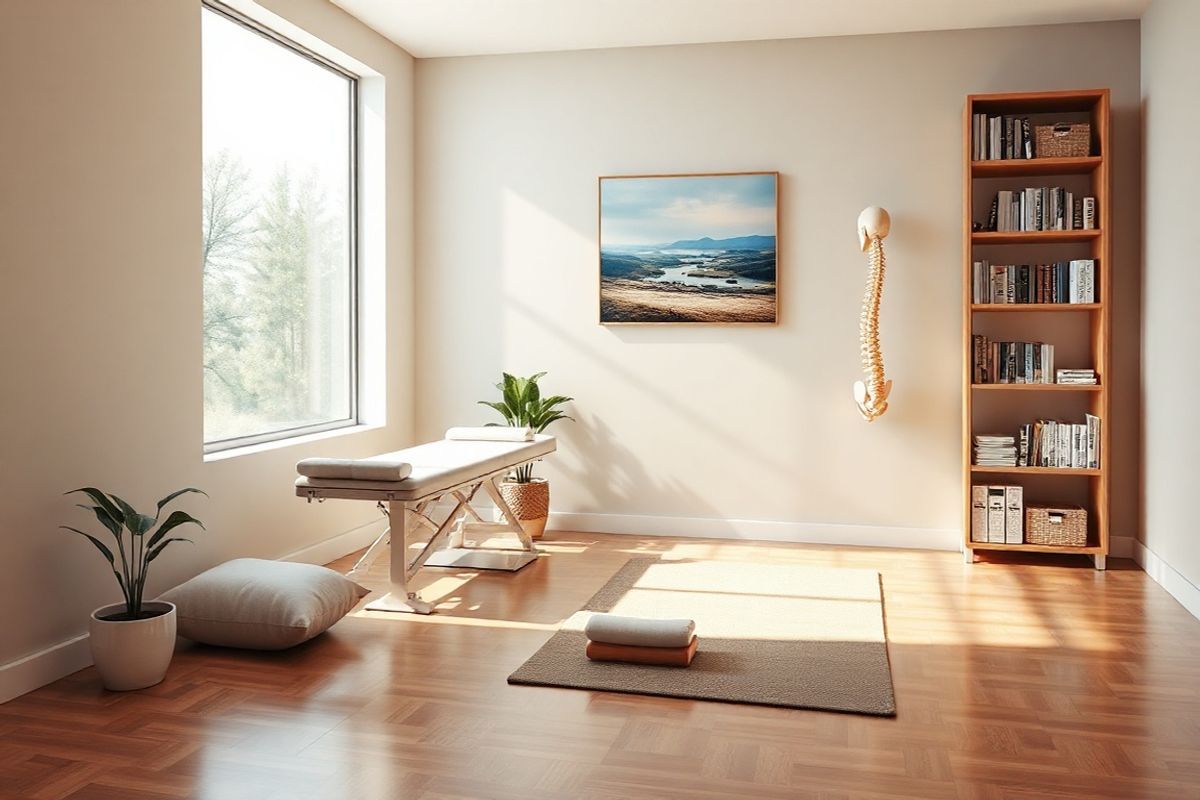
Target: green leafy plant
{"x": 139, "y": 538}
{"x": 522, "y": 405}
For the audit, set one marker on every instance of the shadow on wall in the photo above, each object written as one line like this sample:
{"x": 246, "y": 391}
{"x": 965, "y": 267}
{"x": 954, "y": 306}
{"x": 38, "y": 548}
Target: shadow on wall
{"x": 621, "y": 481}
{"x": 620, "y": 471}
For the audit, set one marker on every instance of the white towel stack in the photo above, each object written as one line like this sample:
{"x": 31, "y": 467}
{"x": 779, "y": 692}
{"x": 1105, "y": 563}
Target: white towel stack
{"x": 639, "y": 632}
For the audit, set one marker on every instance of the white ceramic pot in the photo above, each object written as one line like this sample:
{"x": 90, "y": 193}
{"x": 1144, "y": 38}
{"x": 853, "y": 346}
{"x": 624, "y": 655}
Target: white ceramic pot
{"x": 132, "y": 654}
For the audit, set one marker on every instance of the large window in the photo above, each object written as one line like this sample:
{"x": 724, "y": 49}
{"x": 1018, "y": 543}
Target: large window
{"x": 279, "y": 236}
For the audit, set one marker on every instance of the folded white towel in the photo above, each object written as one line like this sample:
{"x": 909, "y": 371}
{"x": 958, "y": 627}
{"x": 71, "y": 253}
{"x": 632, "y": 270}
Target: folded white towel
{"x": 639, "y": 632}
{"x": 491, "y": 433}
{"x": 354, "y": 469}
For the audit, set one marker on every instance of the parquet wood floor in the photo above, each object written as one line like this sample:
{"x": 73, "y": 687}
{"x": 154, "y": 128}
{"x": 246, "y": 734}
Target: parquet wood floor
{"x": 1014, "y": 681}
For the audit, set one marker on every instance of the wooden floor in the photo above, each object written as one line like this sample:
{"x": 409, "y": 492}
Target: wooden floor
{"x": 1012, "y": 681}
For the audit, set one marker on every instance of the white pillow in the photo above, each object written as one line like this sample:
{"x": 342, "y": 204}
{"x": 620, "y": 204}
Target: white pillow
{"x": 261, "y": 605}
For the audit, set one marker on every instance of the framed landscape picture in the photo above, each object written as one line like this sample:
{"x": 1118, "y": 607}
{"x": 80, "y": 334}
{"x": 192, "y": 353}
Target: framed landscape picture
{"x": 689, "y": 248}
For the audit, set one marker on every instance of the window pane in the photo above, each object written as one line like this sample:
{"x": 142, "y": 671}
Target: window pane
{"x": 278, "y": 229}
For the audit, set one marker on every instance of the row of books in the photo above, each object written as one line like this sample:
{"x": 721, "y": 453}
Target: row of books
{"x": 1061, "y": 282}
{"x": 1011, "y": 362}
{"x": 1044, "y": 208}
{"x": 1051, "y": 443}
{"x": 1000, "y": 137}
{"x": 1045, "y": 443}
{"x": 998, "y": 514}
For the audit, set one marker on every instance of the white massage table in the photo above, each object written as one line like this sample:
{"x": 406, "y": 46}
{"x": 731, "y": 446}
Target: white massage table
{"x": 451, "y": 469}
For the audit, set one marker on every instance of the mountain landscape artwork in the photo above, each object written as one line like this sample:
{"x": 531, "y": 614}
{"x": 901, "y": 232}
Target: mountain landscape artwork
{"x": 689, "y": 248}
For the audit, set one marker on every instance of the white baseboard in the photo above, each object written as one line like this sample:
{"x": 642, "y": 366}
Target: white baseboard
{"x": 1179, "y": 587}
{"x": 45, "y": 666}
{"x": 760, "y": 530}
{"x": 335, "y": 547}
{"x": 60, "y": 660}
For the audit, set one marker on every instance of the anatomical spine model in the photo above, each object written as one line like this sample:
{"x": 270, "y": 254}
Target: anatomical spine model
{"x": 872, "y": 394}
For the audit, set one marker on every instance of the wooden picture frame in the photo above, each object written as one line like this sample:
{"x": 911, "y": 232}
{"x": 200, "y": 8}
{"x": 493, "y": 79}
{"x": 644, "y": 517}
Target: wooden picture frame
{"x": 682, "y": 274}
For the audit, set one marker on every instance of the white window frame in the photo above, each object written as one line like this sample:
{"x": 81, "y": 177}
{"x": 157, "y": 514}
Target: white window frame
{"x": 354, "y": 233}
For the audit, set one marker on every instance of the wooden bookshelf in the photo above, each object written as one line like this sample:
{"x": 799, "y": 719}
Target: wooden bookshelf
{"x": 1010, "y": 307}
{"x": 1036, "y": 237}
{"x": 1036, "y": 166}
{"x": 1035, "y": 387}
{"x": 1041, "y": 484}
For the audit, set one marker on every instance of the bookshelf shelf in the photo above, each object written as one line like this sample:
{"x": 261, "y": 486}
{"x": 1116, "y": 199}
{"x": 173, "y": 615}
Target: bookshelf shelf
{"x": 1038, "y": 548}
{"x": 1011, "y": 307}
{"x": 1018, "y": 167}
{"x": 1093, "y": 473}
{"x": 1014, "y": 404}
{"x": 1035, "y": 387}
{"x": 1035, "y": 237}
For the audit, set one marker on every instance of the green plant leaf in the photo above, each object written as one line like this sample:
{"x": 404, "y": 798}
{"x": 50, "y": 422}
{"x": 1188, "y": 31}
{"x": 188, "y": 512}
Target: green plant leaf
{"x": 176, "y": 519}
{"x": 503, "y": 409}
{"x": 137, "y": 523}
{"x": 114, "y": 526}
{"x": 99, "y": 544}
{"x": 153, "y": 554}
{"x": 544, "y": 421}
{"x": 102, "y": 500}
{"x": 512, "y": 397}
{"x": 173, "y": 495}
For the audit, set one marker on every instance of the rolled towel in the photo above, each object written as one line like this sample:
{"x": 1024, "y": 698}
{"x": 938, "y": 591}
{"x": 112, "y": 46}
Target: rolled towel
{"x": 490, "y": 433}
{"x": 354, "y": 469}
{"x": 639, "y": 632}
{"x": 658, "y": 656}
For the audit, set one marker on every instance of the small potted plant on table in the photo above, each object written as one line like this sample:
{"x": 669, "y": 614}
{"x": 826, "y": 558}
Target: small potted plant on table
{"x": 522, "y": 405}
{"x": 132, "y": 641}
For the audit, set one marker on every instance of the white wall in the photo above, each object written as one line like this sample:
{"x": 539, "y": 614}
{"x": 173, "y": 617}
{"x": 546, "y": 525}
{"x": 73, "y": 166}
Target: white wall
{"x": 734, "y": 422}
{"x": 1171, "y": 327}
{"x": 100, "y": 313}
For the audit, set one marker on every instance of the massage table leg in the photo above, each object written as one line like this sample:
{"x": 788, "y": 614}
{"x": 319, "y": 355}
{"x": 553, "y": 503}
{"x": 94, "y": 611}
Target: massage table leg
{"x": 503, "y": 559}
{"x": 402, "y": 519}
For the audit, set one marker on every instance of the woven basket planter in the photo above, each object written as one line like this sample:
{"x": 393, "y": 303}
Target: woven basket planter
{"x": 530, "y": 502}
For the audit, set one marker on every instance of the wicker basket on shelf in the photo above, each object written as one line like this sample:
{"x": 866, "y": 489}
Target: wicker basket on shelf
{"x": 1056, "y": 526}
{"x": 1064, "y": 140}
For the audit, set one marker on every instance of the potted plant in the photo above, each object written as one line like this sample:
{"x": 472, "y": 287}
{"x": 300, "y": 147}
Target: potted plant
{"x": 522, "y": 405}
{"x": 132, "y": 641}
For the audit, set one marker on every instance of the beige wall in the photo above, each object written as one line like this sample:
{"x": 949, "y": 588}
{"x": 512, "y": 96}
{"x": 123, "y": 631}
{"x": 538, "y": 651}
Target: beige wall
{"x": 1171, "y": 327}
{"x": 100, "y": 313}
{"x": 733, "y": 422}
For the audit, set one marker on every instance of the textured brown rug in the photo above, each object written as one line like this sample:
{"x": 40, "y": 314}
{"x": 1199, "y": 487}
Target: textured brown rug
{"x": 770, "y": 634}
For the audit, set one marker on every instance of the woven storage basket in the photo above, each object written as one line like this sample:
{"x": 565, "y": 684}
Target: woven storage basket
{"x": 1063, "y": 140}
{"x": 1056, "y": 526}
{"x": 530, "y": 502}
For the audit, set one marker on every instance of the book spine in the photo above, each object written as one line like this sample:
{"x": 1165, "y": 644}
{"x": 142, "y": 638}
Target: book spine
{"x": 1014, "y": 513}
{"x": 996, "y": 514}
{"x": 1093, "y": 441}
{"x": 1089, "y": 213}
{"x": 979, "y": 514}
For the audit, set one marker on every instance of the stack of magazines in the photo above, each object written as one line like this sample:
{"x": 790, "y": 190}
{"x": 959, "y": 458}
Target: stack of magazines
{"x": 1083, "y": 377}
{"x": 995, "y": 450}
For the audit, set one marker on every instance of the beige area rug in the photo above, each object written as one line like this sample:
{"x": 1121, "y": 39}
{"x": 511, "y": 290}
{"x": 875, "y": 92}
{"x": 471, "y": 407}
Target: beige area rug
{"x": 770, "y": 634}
